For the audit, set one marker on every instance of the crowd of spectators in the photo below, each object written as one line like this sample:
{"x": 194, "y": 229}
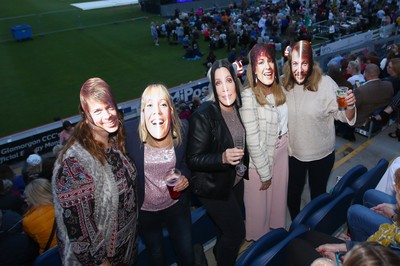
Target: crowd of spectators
{"x": 240, "y": 26}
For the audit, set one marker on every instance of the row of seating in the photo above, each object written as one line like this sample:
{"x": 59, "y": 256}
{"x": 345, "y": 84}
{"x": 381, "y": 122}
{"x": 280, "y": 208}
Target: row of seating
{"x": 326, "y": 213}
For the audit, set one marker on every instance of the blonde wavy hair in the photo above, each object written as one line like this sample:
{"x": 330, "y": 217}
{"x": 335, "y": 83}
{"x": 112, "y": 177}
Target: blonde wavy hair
{"x": 315, "y": 72}
{"x": 39, "y": 193}
{"x": 175, "y": 136}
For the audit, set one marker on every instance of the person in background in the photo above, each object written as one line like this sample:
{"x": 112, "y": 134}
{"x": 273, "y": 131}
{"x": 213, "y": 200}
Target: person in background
{"x": 365, "y": 254}
{"x": 154, "y": 33}
{"x": 386, "y": 183}
{"x": 312, "y": 109}
{"x": 213, "y": 157}
{"x": 313, "y": 244}
{"x": 6, "y": 172}
{"x": 66, "y": 133}
{"x": 156, "y": 142}
{"x": 94, "y": 186}
{"x": 16, "y": 247}
{"x": 264, "y": 113}
{"x": 9, "y": 200}
{"x": 353, "y": 69}
{"x": 32, "y": 166}
{"x": 383, "y": 117}
{"x": 39, "y": 221}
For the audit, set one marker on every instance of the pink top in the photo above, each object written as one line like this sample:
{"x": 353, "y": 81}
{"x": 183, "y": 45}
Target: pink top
{"x": 157, "y": 161}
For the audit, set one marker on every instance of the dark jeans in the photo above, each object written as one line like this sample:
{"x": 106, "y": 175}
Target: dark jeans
{"x": 228, "y": 216}
{"x": 177, "y": 219}
{"x": 301, "y": 251}
{"x": 318, "y": 175}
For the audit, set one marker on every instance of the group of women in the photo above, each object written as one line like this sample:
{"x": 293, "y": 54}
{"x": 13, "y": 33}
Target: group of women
{"x": 243, "y": 149}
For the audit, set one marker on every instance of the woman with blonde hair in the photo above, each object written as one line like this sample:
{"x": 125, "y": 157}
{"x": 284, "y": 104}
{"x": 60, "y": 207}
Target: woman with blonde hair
{"x": 38, "y": 222}
{"x": 156, "y": 142}
{"x": 94, "y": 186}
{"x": 264, "y": 114}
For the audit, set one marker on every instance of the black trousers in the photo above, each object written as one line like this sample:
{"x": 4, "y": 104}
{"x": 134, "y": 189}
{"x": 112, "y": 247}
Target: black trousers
{"x": 228, "y": 216}
{"x": 318, "y": 175}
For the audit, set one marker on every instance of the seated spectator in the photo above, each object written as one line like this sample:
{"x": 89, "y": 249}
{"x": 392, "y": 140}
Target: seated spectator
{"x": 336, "y": 74}
{"x": 368, "y": 254}
{"x": 371, "y": 254}
{"x": 372, "y": 95}
{"x": 363, "y": 220}
{"x": 8, "y": 200}
{"x": 386, "y": 183}
{"x": 66, "y": 133}
{"x": 47, "y": 167}
{"x": 38, "y": 222}
{"x": 313, "y": 244}
{"x": 196, "y": 102}
{"x": 353, "y": 68}
{"x": 16, "y": 247}
{"x": 32, "y": 167}
{"x": 383, "y": 117}
{"x": 18, "y": 186}
{"x": 183, "y": 111}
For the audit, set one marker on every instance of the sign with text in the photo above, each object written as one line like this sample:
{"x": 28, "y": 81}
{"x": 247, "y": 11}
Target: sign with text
{"x": 13, "y": 148}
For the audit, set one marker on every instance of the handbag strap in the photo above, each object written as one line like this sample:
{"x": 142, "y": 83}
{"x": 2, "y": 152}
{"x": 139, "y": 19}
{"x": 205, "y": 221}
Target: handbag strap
{"x": 53, "y": 230}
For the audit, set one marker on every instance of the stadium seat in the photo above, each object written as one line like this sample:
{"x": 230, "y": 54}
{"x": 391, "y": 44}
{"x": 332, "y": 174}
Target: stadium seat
{"x": 49, "y": 258}
{"x": 276, "y": 255}
{"x": 309, "y": 209}
{"x": 347, "y": 179}
{"x": 368, "y": 180}
{"x": 333, "y": 215}
{"x": 266, "y": 242}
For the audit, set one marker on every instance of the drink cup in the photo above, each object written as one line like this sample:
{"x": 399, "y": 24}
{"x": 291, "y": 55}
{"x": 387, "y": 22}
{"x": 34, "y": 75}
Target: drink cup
{"x": 171, "y": 179}
{"x": 341, "y": 94}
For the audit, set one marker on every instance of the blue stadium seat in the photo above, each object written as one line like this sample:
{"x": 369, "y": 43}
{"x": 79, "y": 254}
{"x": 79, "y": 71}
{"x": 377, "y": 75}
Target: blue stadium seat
{"x": 368, "y": 180}
{"x": 49, "y": 258}
{"x": 276, "y": 255}
{"x": 348, "y": 178}
{"x": 263, "y": 244}
{"x": 333, "y": 215}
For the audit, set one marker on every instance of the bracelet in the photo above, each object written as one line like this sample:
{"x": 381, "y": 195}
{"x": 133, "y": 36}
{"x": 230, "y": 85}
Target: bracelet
{"x": 351, "y": 107}
{"x": 393, "y": 217}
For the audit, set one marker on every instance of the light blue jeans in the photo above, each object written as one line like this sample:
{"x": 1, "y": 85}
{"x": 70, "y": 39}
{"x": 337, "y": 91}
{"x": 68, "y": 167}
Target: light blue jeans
{"x": 362, "y": 221}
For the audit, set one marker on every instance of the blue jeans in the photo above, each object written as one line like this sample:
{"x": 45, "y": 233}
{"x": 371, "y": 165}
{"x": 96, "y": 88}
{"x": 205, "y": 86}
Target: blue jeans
{"x": 375, "y": 197}
{"x": 364, "y": 222}
{"x": 177, "y": 219}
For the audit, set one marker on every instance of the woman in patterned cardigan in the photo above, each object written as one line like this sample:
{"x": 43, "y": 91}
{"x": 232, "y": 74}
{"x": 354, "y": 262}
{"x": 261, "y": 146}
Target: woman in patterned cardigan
{"x": 94, "y": 186}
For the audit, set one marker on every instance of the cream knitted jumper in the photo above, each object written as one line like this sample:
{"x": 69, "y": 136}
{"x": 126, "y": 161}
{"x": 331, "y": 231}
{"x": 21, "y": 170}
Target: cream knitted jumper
{"x": 311, "y": 120}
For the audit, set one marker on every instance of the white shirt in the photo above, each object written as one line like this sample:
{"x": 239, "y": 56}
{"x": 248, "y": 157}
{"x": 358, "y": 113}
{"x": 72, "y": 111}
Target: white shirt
{"x": 386, "y": 184}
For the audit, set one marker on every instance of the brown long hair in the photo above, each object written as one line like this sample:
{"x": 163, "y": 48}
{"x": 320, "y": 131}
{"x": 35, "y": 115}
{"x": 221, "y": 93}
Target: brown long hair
{"x": 256, "y": 52}
{"x": 315, "y": 72}
{"x": 95, "y": 89}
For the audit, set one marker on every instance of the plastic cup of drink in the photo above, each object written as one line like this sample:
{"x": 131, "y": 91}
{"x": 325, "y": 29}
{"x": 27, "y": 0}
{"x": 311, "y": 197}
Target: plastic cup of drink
{"x": 171, "y": 179}
{"x": 341, "y": 94}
